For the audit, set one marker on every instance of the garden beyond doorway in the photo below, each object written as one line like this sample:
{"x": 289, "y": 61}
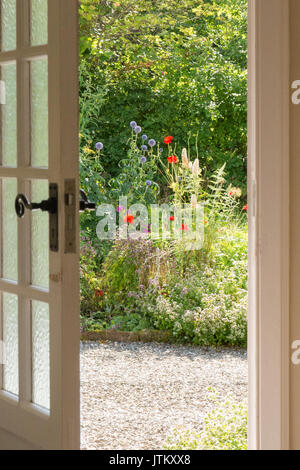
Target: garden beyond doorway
{"x": 163, "y": 99}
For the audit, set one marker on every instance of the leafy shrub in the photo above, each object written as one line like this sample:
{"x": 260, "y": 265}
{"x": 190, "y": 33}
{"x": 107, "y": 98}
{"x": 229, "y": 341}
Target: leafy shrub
{"x": 176, "y": 66}
{"x": 225, "y": 428}
{"x": 144, "y": 287}
{"x": 198, "y": 295}
{"x": 91, "y": 293}
{"x": 136, "y": 169}
{"x": 208, "y": 304}
{"x": 180, "y": 68}
{"x": 129, "y": 272}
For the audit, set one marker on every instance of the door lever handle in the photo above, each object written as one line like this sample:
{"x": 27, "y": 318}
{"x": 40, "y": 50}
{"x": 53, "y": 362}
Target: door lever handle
{"x": 49, "y": 205}
{"x": 84, "y": 203}
{"x": 22, "y": 203}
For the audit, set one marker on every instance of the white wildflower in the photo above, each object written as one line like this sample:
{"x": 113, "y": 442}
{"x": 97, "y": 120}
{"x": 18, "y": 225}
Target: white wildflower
{"x": 194, "y": 201}
{"x": 196, "y": 167}
{"x": 185, "y": 160}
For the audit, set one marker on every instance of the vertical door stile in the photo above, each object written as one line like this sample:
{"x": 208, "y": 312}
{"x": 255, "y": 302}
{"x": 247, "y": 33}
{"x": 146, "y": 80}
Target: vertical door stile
{"x": 24, "y": 224}
{"x": 63, "y": 140}
{"x": 54, "y": 170}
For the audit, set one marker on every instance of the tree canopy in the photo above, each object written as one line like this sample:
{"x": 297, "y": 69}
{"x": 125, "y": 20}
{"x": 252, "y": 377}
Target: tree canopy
{"x": 177, "y": 67}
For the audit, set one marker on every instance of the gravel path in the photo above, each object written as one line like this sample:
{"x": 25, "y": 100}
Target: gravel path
{"x": 134, "y": 395}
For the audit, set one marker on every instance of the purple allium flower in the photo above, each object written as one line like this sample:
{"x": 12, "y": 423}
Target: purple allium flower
{"x": 133, "y": 124}
{"x": 144, "y": 137}
{"x": 148, "y": 183}
{"x": 143, "y": 159}
{"x": 137, "y": 129}
{"x": 144, "y": 147}
{"x": 161, "y": 150}
{"x": 99, "y": 146}
{"x": 152, "y": 142}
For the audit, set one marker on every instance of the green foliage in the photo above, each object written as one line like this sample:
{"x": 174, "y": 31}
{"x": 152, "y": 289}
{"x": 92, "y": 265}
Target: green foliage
{"x": 225, "y": 428}
{"x": 93, "y": 182}
{"x": 131, "y": 181}
{"x": 200, "y": 295}
{"x": 90, "y": 300}
{"x": 204, "y": 303}
{"x": 178, "y": 67}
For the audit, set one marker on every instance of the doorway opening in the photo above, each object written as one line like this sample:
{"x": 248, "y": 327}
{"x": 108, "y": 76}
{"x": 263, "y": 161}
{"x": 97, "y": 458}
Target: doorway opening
{"x": 163, "y": 154}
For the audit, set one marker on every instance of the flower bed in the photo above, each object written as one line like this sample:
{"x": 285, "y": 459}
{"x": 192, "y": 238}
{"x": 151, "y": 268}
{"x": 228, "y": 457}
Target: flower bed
{"x": 197, "y": 295}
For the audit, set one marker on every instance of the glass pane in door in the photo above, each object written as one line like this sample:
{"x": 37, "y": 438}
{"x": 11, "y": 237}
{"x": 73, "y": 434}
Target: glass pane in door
{"x": 39, "y": 113}
{"x": 8, "y": 24}
{"x": 40, "y": 354}
{"x": 9, "y": 248}
{"x": 8, "y": 114}
{"x": 10, "y": 339}
{"x": 40, "y": 237}
{"x": 39, "y": 22}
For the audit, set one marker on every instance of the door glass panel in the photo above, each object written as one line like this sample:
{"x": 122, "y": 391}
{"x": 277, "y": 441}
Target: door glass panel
{"x": 8, "y": 115}
{"x": 9, "y": 230}
{"x": 8, "y": 25}
{"x": 39, "y": 113}
{"x": 39, "y": 22}
{"x": 40, "y": 236}
{"x": 10, "y": 339}
{"x": 40, "y": 354}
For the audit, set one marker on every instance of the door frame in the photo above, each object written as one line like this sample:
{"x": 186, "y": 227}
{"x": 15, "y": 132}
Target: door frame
{"x": 269, "y": 224}
{"x": 269, "y": 229}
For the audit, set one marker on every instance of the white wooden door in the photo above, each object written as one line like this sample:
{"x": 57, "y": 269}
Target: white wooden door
{"x": 269, "y": 193}
{"x": 39, "y": 286}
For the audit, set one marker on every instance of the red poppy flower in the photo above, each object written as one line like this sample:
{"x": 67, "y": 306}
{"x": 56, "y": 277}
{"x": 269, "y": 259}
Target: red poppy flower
{"x": 184, "y": 227}
{"x": 168, "y": 140}
{"x": 229, "y": 194}
{"x": 172, "y": 218}
{"x": 172, "y": 159}
{"x": 99, "y": 293}
{"x": 245, "y": 208}
{"x": 128, "y": 219}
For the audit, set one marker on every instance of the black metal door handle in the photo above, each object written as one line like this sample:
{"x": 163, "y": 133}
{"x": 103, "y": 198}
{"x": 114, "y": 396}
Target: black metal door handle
{"x": 22, "y": 203}
{"x": 84, "y": 203}
{"x": 50, "y": 205}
